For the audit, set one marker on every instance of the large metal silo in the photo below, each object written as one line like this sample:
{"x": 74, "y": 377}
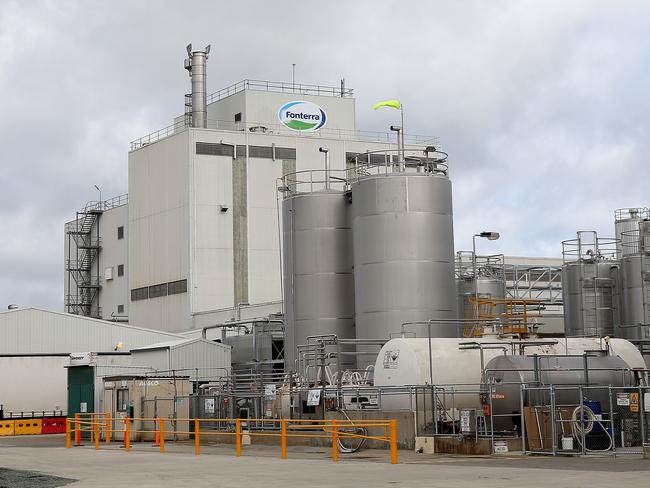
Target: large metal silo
{"x": 626, "y": 226}
{"x": 403, "y": 253}
{"x": 635, "y": 284}
{"x": 317, "y": 275}
{"x": 590, "y": 286}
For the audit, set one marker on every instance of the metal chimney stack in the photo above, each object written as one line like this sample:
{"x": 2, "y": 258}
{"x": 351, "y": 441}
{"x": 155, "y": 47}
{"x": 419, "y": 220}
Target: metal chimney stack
{"x": 195, "y": 64}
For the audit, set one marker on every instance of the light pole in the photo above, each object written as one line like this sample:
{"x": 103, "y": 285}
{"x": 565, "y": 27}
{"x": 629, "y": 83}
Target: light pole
{"x": 327, "y": 166}
{"x": 100, "y": 196}
{"x": 490, "y": 236}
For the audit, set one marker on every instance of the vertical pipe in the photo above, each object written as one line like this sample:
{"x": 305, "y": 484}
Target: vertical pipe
{"x": 195, "y": 64}
{"x": 611, "y": 419}
{"x": 238, "y": 437}
{"x": 393, "y": 441}
{"x": 582, "y": 425}
{"x": 642, "y": 410}
{"x": 553, "y": 425}
{"x": 161, "y": 426}
{"x": 284, "y": 438}
{"x": 197, "y": 438}
{"x": 335, "y": 442}
{"x": 522, "y": 417}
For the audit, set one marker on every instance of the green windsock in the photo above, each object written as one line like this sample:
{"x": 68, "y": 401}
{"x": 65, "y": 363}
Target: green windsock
{"x": 388, "y": 103}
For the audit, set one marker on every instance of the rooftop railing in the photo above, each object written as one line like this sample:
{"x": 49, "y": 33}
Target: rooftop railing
{"x": 280, "y": 86}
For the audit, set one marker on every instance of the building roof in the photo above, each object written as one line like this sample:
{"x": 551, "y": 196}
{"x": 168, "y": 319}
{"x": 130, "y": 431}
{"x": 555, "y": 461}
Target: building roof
{"x": 35, "y": 330}
{"x": 174, "y": 344}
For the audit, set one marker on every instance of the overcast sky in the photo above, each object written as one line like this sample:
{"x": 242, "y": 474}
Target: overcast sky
{"x": 542, "y": 106}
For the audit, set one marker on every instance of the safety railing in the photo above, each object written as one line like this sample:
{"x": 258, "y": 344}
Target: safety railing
{"x": 98, "y": 426}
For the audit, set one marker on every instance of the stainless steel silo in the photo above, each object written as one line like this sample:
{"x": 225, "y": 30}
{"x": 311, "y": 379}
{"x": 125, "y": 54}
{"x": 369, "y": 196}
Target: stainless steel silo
{"x": 403, "y": 253}
{"x": 635, "y": 284}
{"x": 490, "y": 281}
{"x": 317, "y": 273}
{"x": 590, "y": 286}
{"x": 626, "y": 224}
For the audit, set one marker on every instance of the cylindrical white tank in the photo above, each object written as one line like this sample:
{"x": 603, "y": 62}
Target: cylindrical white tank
{"x": 406, "y": 361}
{"x": 403, "y": 255}
{"x": 317, "y": 270}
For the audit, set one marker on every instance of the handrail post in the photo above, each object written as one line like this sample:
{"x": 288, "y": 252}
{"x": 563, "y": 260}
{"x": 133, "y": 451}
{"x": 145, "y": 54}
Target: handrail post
{"x": 156, "y": 439}
{"x": 127, "y": 433}
{"x": 335, "y": 442}
{"x": 197, "y": 438}
{"x": 108, "y": 427}
{"x": 77, "y": 429}
{"x": 68, "y": 440}
{"x": 284, "y": 439}
{"x": 161, "y": 426}
{"x": 238, "y": 437}
{"x": 393, "y": 441}
{"x": 96, "y": 431}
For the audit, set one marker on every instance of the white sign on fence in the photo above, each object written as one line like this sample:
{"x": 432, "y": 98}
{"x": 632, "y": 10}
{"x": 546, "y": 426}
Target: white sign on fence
{"x": 313, "y": 398}
{"x": 623, "y": 399}
{"x": 209, "y": 405}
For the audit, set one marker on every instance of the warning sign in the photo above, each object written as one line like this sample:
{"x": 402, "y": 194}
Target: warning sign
{"x": 634, "y": 402}
{"x": 623, "y": 399}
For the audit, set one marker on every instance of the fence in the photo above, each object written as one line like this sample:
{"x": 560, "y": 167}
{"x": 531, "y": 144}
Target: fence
{"x": 102, "y": 426}
{"x": 547, "y": 419}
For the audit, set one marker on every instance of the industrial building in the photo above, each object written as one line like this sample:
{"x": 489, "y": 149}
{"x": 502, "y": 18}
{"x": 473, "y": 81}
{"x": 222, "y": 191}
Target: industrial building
{"x": 297, "y": 267}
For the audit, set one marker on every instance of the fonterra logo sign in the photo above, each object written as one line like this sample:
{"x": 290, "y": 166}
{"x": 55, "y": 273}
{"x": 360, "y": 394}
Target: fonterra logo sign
{"x": 302, "y": 116}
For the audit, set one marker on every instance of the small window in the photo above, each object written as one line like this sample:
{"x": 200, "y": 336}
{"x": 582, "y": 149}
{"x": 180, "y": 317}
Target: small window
{"x": 176, "y": 287}
{"x": 120, "y": 270}
{"x": 120, "y": 309}
{"x": 140, "y": 293}
{"x": 238, "y": 117}
{"x": 122, "y": 400}
{"x": 158, "y": 290}
{"x": 120, "y": 232}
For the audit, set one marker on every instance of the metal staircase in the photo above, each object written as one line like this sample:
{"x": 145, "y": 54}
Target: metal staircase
{"x": 82, "y": 264}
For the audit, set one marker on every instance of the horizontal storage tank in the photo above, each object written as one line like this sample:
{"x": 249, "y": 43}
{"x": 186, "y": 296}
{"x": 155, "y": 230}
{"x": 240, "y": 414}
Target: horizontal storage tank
{"x": 403, "y": 255}
{"x": 506, "y": 374}
{"x": 455, "y": 361}
{"x": 317, "y": 270}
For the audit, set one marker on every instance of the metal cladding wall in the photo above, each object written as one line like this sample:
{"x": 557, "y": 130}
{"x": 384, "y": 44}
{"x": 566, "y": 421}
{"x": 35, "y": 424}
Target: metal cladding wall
{"x": 635, "y": 297}
{"x": 590, "y": 296}
{"x": 317, "y": 269}
{"x": 403, "y": 255}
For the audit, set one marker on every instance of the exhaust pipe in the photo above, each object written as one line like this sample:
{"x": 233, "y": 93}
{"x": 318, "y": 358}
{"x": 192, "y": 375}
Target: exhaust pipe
{"x": 195, "y": 64}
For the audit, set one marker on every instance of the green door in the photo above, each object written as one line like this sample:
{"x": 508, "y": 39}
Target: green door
{"x": 81, "y": 391}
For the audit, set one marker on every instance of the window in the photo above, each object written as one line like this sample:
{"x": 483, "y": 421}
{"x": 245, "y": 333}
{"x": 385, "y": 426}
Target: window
{"x": 177, "y": 287}
{"x": 120, "y": 270}
{"x": 122, "y": 400}
{"x": 120, "y": 309}
{"x": 158, "y": 290}
{"x": 120, "y": 232}
{"x": 238, "y": 117}
{"x": 140, "y": 293}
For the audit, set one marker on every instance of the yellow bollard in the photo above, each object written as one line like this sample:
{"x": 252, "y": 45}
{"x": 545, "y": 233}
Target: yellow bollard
{"x": 238, "y": 437}
{"x": 77, "y": 429}
{"x": 197, "y": 438}
{"x": 108, "y": 427}
{"x": 161, "y": 424}
{"x": 68, "y": 440}
{"x": 96, "y": 431}
{"x": 393, "y": 441}
{"x": 335, "y": 442}
{"x": 127, "y": 433}
{"x": 284, "y": 439}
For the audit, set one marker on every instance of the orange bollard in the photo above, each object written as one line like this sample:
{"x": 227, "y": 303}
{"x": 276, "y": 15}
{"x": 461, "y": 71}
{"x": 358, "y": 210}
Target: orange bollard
{"x": 393, "y": 441}
{"x": 284, "y": 439}
{"x": 238, "y": 437}
{"x": 156, "y": 441}
{"x": 68, "y": 440}
{"x": 335, "y": 442}
{"x": 197, "y": 438}
{"x": 127, "y": 433}
{"x": 162, "y": 434}
{"x": 96, "y": 431}
{"x": 77, "y": 429}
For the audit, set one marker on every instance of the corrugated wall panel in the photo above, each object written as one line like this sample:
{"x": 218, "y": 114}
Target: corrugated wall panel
{"x": 211, "y": 359}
